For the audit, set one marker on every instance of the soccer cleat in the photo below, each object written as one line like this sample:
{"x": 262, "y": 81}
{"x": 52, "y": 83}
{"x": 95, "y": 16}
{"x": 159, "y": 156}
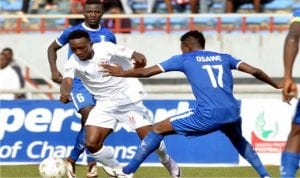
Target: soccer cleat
{"x": 70, "y": 169}
{"x": 92, "y": 171}
{"x": 173, "y": 168}
{"x": 116, "y": 172}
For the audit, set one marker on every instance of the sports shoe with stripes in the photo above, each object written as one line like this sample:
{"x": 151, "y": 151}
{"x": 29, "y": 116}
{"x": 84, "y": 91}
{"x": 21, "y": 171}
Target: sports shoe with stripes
{"x": 173, "y": 168}
{"x": 70, "y": 170}
{"x": 116, "y": 172}
{"x": 92, "y": 171}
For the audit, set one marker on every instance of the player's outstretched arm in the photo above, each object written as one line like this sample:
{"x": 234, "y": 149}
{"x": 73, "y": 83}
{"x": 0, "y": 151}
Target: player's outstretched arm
{"x": 259, "y": 74}
{"x": 116, "y": 70}
{"x": 65, "y": 90}
{"x": 52, "y": 57}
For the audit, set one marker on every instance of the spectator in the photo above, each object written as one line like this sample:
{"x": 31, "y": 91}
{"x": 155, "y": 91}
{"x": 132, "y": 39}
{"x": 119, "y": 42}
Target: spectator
{"x": 8, "y": 78}
{"x": 122, "y": 25}
{"x": 233, "y": 5}
{"x": 25, "y": 6}
{"x": 51, "y": 6}
{"x": 77, "y": 7}
{"x": 194, "y": 5}
{"x": 9, "y": 55}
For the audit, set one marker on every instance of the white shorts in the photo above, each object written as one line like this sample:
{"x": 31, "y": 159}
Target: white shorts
{"x": 134, "y": 115}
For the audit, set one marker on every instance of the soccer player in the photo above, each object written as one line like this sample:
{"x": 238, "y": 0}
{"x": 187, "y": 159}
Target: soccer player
{"x": 209, "y": 74}
{"x": 118, "y": 100}
{"x": 81, "y": 98}
{"x": 291, "y": 155}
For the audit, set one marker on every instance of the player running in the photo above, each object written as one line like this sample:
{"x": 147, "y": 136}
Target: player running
{"x": 81, "y": 98}
{"x": 209, "y": 74}
{"x": 119, "y": 100}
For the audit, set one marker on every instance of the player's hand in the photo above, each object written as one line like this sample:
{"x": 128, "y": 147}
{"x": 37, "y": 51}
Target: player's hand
{"x": 289, "y": 90}
{"x": 57, "y": 77}
{"x": 65, "y": 97}
{"x": 139, "y": 63}
{"x": 113, "y": 70}
{"x": 139, "y": 60}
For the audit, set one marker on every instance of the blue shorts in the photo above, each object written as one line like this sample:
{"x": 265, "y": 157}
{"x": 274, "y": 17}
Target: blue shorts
{"x": 81, "y": 97}
{"x": 190, "y": 124}
{"x": 296, "y": 118}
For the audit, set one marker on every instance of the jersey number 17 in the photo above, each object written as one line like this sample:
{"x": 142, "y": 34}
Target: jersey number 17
{"x": 215, "y": 80}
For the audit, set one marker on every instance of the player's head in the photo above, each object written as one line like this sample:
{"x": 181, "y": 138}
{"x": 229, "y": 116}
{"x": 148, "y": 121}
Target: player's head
{"x": 80, "y": 44}
{"x": 192, "y": 40}
{"x": 93, "y": 11}
{"x": 4, "y": 61}
{"x": 8, "y": 52}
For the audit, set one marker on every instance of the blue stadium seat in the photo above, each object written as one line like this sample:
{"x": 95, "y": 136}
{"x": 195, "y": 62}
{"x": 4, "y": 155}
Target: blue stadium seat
{"x": 231, "y": 20}
{"x": 279, "y": 5}
{"x": 247, "y": 6}
{"x": 7, "y": 5}
{"x": 296, "y": 6}
{"x": 281, "y": 20}
{"x": 256, "y": 20}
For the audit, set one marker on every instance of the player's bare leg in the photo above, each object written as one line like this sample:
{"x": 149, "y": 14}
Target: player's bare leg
{"x": 95, "y": 137}
{"x": 293, "y": 141}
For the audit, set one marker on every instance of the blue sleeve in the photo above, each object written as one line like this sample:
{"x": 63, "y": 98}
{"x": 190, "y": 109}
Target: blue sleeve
{"x": 175, "y": 63}
{"x": 113, "y": 38}
{"x": 233, "y": 62}
{"x": 62, "y": 39}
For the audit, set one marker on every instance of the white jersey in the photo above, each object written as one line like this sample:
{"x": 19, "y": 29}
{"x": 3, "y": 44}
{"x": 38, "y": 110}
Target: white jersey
{"x": 108, "y": 89}
{"x": 9, "y": 80}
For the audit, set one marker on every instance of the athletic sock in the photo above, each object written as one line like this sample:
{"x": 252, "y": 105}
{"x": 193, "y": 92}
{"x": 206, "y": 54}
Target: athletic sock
{"x": 106, "y": 157}
{"x": 90, "y": 158}
{"x": 147, "y": 146}
{"x": 289, "y": 164}
{"x": 79, "y": 145}
{"x": 247, "y": 151}
{"x": 162, "y": 152}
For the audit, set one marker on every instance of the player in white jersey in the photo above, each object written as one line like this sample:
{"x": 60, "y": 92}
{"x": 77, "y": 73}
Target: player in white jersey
{"x": 118, "y": 100}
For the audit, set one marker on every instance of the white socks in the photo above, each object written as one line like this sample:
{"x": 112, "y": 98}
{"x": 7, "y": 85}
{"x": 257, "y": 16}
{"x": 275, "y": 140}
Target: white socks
{"x": 162, "y": 152}
{"x": 106, "y": 157}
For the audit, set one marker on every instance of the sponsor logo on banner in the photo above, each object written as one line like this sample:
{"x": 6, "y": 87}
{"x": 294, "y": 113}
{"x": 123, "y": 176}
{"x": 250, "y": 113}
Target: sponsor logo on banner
{"x": 262, "y": 137}
{"x": 32, "y": 130}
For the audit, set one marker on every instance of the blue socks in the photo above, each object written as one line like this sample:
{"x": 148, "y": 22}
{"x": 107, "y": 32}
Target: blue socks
{"x": 150, "y": 143}
{"x": 289, "y": 164}
{"x": 247, "y": 151}
{"x": 80, "y": 146}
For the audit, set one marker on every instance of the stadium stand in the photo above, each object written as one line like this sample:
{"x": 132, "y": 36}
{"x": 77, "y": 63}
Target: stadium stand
{"x": 275, "y": 19}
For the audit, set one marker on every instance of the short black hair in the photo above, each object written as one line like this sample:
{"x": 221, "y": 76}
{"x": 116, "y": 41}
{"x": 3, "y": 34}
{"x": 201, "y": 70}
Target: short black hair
{"x": 93, "y": 2}
{"x": 79, "y": 34}
{"x": 8, "y": 49}
{"x": 196, "y": 35}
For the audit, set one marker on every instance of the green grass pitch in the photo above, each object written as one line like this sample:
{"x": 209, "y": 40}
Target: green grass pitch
{"x": 31, "y": 171}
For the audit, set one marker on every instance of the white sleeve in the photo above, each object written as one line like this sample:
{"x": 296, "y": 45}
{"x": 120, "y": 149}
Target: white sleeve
{"x": 69, "y": 69}
{"x": 119, "y": 50}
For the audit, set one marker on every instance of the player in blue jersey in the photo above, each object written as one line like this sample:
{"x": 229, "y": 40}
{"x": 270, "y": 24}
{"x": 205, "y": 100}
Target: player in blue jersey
{"x": 81, "y": 98}
{"x": 209, "y": 74}
{"x": 290, "y": 157}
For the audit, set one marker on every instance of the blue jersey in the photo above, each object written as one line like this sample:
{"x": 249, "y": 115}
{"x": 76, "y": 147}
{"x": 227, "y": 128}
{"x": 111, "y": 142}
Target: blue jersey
{"x": 209, "y": 74}
{"x": 96, "y": 35}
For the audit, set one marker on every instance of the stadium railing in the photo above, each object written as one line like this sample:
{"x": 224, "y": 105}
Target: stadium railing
{"x": 143, "y": 23}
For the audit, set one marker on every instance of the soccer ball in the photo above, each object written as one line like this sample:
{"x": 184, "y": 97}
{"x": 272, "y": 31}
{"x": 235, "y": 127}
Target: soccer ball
{"x": 52, "y": 168}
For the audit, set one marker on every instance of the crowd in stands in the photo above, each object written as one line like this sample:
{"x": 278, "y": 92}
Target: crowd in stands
{"x": 151, "y": 7}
